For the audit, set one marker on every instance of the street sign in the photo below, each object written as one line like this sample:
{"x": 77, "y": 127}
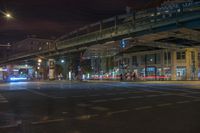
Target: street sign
{"x": 123, "y": 43}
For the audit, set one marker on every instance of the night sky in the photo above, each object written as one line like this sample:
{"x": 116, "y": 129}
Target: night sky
{"x": 53, "y": 18}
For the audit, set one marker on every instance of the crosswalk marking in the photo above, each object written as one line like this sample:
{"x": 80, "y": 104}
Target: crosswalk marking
{"x": 100, "y": 108}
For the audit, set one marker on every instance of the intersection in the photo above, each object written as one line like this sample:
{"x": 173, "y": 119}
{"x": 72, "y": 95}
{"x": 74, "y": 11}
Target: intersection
{"x": 84, "y": 107}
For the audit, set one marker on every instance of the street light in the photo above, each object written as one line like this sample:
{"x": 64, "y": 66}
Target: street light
{"x": 39, "y": 60}
{"x": 62, "y": 61}
{"x": 6, "y": 14}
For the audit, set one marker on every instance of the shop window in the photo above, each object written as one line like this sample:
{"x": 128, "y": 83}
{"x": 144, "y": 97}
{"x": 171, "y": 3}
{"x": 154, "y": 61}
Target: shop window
{"x": 180, "y": 55}
{"x": 181, "y": 73}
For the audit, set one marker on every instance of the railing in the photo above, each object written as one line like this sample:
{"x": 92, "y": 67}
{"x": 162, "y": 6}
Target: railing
{"x": 28, "y": 52}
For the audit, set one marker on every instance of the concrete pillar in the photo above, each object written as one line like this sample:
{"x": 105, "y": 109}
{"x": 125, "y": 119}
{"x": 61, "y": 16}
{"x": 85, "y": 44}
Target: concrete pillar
{"x": 196, "y": 63}
{"x": 188, "y": 63}
{"x": 173, "y": 65}
{"x": 51, "y": 64}
{"x": 103, "y": 64}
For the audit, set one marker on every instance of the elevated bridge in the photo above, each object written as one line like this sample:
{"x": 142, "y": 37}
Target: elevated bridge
{"x": 175, "y": 27}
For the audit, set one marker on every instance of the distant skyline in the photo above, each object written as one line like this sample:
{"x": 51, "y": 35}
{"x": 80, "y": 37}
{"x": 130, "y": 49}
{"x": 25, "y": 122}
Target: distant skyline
{"x": 53, "y": 18}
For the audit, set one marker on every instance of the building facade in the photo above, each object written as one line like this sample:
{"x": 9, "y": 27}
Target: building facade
{"x": 177, "y": 64}
{"x": 30, "y": 45}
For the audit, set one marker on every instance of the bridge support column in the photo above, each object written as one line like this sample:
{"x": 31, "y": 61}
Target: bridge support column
{"x": 173, "y": 66}
{"x": 188, "y": 63}
{"x": 51, "y": 63}
{"x": 192, "y": 64}
{"x": 196, "y": 64}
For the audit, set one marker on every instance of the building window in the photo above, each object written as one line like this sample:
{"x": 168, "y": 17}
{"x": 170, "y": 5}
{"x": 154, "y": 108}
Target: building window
{"x": 134, "y": 60}
{"x": 180, "y": 55}
{"x": 126, "y": 60}
{"x": 167, "y": 56}
{"x": 157, "y": 56}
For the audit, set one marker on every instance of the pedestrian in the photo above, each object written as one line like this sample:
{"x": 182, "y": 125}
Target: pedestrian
{"x": 134, "y": 76}
{"x": 125, "y": 76}
{"x": 121, "y": 77}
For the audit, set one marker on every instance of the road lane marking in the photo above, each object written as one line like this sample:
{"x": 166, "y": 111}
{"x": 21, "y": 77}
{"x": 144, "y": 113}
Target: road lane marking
{"x": 98, "y": 108}
{"x": 95, "y": 95}
{"x": 143, "y": 108}
{"x": 43, "y": 94}
{"x": 196, "y": 100}
{"x": 152, "y": 95}
{"x": 148, "y": 90}
{"x": 164, "y": 104}
{"x": 86, "y": 117}
{"x": 64, "y": 113}
{"x": 124, "y": 93}
{"x": 78, "y": 96}
{"x": 180, "y": 102}
{"x": 169, "y": 89}
{"x": 99, "y": 101}
{"x": 110, "y": 94}
{"x": 83, "y": 105}
{"x": 117, "y": 99}
{"x": 186, "y": 95}
{"x": 117, "y": 112}
{"x": 9, "y": 126}
{"x": 2, "y": 98}
{"x": 4, "y": 101}
{"x": 167, "y": 94}
{"x": 135, "y": 97}
{"x": 46, "y": 121}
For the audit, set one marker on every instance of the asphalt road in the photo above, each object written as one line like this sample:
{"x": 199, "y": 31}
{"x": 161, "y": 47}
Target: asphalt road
{"x": 106, "y": 107}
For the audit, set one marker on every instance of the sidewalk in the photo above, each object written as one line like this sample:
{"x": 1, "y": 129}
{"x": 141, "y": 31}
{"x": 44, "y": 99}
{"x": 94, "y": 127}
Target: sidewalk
{"x": 186, "y": 82}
